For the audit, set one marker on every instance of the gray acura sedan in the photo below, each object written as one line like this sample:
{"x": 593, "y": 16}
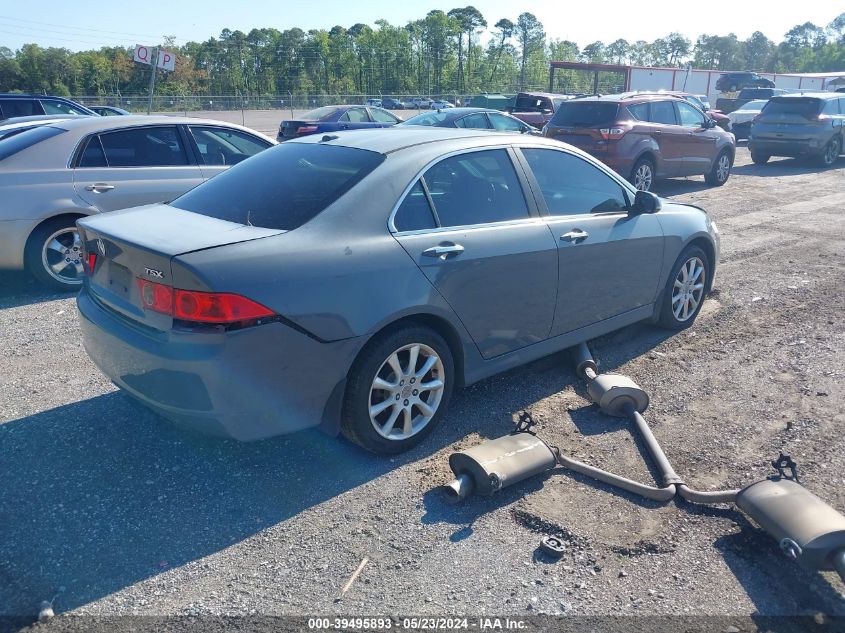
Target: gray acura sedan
{"x": 351, "y": 281}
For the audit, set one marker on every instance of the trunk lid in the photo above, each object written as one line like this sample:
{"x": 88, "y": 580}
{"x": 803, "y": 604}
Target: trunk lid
{"x": 141, "y": 243}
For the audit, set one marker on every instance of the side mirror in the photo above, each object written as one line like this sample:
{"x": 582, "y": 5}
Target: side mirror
{"x": 709, "y": 123}
{"x": 645, "y": 202}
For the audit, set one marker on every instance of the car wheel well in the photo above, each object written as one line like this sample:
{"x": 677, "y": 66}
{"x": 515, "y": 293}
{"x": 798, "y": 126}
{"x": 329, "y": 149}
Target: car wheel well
{"x": 439, "y": 325}
{"x": 53, "y": 218}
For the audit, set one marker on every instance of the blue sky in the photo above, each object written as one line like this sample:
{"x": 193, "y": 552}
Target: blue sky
{"x": 86, "y": 24}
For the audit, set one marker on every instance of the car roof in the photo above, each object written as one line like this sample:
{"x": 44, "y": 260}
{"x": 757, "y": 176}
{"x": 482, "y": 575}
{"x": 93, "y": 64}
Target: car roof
{"x": 400, "y": 137}
{"x": 628, "y": 97}
{"x": 811, "y": 95}
{"x": 92, "y": 124}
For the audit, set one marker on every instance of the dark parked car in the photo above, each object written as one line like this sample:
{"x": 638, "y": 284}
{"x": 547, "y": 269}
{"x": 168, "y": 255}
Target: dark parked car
{"x": 392, "y": 104}
{"x": 334, "y": 118}
{"x": 472, "y": 118}
{"x": 731, "y": 82}
{"x": 803, "y": 124}
{"x": 747, "y": 95}
{"x": 644, "y": 137}
{"x": 536, "y": 108}
{"x": 17, "y": 105}
{"x": 354, "y": 282}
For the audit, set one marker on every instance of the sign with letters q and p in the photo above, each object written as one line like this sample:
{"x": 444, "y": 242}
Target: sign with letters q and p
{"x": 144, "y": 55}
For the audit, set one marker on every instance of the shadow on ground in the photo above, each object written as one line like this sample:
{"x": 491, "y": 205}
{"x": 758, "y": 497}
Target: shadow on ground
{"x": 786, "y": 167}
{"x": 19, "y": 289}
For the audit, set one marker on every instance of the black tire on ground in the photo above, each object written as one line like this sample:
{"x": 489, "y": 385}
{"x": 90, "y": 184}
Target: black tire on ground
{"x": 667, "y": 316}
{"x": 646, "y": 177}
{"x": 758, "y": 158}
{"x": 714, "y": 177}
{"x": 33, "y": 253}
{"x": 356, "y": 424}
{"x": 831, "y": 152}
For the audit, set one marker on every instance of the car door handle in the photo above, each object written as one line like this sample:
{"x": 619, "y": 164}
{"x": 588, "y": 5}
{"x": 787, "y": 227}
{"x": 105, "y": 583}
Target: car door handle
{"x": 443, "y": 250}
{"x": 575, "y": 235}
{"x": 99, "y": 187}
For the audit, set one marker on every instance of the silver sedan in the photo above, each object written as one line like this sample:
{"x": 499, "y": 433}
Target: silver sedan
{"x": 54, "y": 174}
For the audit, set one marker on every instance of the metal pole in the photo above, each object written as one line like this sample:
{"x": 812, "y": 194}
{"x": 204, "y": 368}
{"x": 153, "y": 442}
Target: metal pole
{"x": 152, "y": 80}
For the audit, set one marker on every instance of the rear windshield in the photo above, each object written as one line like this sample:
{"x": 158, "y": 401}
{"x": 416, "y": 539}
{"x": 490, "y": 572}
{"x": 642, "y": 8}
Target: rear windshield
{"x": 792, "y": 107}
{"x": 585, "y": 114}
{"x": 282, "y": 187}
{"x": 531, "y": 104}
{"x": 319, "y": 113}
{"x": 428, "y": 118}
{"x": 11, "y": 145}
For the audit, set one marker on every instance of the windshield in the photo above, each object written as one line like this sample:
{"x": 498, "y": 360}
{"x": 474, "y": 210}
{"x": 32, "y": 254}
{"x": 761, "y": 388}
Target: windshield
{"x": 754, "y": 106}
{"x": 319, "y": 113}
{"x": 12, "y": 144}
{"x": 427, "y": 118}
{"x": 585, "y": 114}
{"x": 282, "y": 187}
{"x": 788, "y": 108}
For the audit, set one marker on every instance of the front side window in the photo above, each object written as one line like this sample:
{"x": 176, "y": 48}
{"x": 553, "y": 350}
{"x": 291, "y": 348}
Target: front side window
{"x": 689, "y": 116}
{"x": 415, "y": 212}
{"x": 383, "y": 116}
{"x": 505, "y": 123}
{"x": 476, "y": 188}
{"x": 572, "y": 186}
{"x": 663, "y": 112}
{"x": 831, "y": 107}
{"x": 221, "y": 146}
{"x": 60, "y": 107}
{"x": 144, "y": 147}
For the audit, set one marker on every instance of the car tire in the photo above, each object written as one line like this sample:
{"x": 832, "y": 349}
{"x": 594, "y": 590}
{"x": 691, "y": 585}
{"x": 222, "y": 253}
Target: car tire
{"x": 759, "y": 159}
{"x": 831, "y": 152}
{"x": 642, "y": 174}
{"x": 680, "y": 305}
{"x": 379, "y": 395}
{"x": 47, "y": 246}
{"x": 721, "y": 170}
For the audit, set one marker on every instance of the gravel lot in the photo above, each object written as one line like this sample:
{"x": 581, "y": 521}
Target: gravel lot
{"x": 109, "y": 510}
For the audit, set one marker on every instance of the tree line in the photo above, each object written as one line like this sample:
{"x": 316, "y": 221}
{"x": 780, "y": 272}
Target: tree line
{"x": 441, "y": 53}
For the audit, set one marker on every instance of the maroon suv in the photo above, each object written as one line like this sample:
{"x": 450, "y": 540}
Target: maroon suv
{"x": 644, "y": 137}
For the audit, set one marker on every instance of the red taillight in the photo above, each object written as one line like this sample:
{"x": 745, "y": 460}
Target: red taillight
{"x": 612, "y": 133}
{"x": 91, "y": 261}
{"x": 200, "y": 307}
{"x": 305, "y": 129}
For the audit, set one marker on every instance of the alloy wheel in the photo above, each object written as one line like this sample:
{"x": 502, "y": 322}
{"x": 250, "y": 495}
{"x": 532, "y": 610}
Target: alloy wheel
{"x": 688, "y": 289}
{"x": 406, "y": 391}
{"x": 831, "y": 152}
{"x": 643, "y": 177}
{"x": 61, "y": 256}
{"x": 723, "y": 168}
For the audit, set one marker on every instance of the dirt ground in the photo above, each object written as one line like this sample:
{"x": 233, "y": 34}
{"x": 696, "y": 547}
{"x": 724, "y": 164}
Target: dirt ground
{"x": 108, "y": 510}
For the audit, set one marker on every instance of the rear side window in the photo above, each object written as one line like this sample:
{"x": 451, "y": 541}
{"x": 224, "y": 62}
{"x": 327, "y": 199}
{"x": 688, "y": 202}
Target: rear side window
{"x": 26, "y": 139}
{"x": 283, "y": 187}
{"x": 477, "y": 121}
{"x": 790, "y": 108}
{"x": 19, "y": 107}
{"x": 572, "y": 186}
{"x": 144, "y": 147}
{"x": 476, "y": 188}
{"x": 93, "y": 155}
{"x": 831, "y": 107}
{"x": 639, "y": 111}
{"x": 415, "y": 213}
{"x": 585, "y": 114}
{"x": 355, "y": 115}
{"x": 662, "y": 112}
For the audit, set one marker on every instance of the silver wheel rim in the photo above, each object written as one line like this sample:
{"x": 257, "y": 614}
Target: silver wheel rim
{"x": 643, "y": 177}
{"x": 406, "y": 392}
{"x": 688, "y": 289}
{"x": 61, "y": 256}
{"x": 723, "y": 168}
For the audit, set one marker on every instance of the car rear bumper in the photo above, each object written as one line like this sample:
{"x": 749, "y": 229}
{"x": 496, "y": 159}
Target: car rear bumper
{"x": 786, "y": 147}
{"x": 246, "y": 384}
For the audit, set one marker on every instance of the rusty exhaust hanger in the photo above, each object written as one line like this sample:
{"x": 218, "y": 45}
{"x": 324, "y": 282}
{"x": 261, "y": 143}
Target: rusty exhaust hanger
{"x": 807, "y": 529}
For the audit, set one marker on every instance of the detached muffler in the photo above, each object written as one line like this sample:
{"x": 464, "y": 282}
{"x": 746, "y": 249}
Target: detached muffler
{"x": 497, "y": 464}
